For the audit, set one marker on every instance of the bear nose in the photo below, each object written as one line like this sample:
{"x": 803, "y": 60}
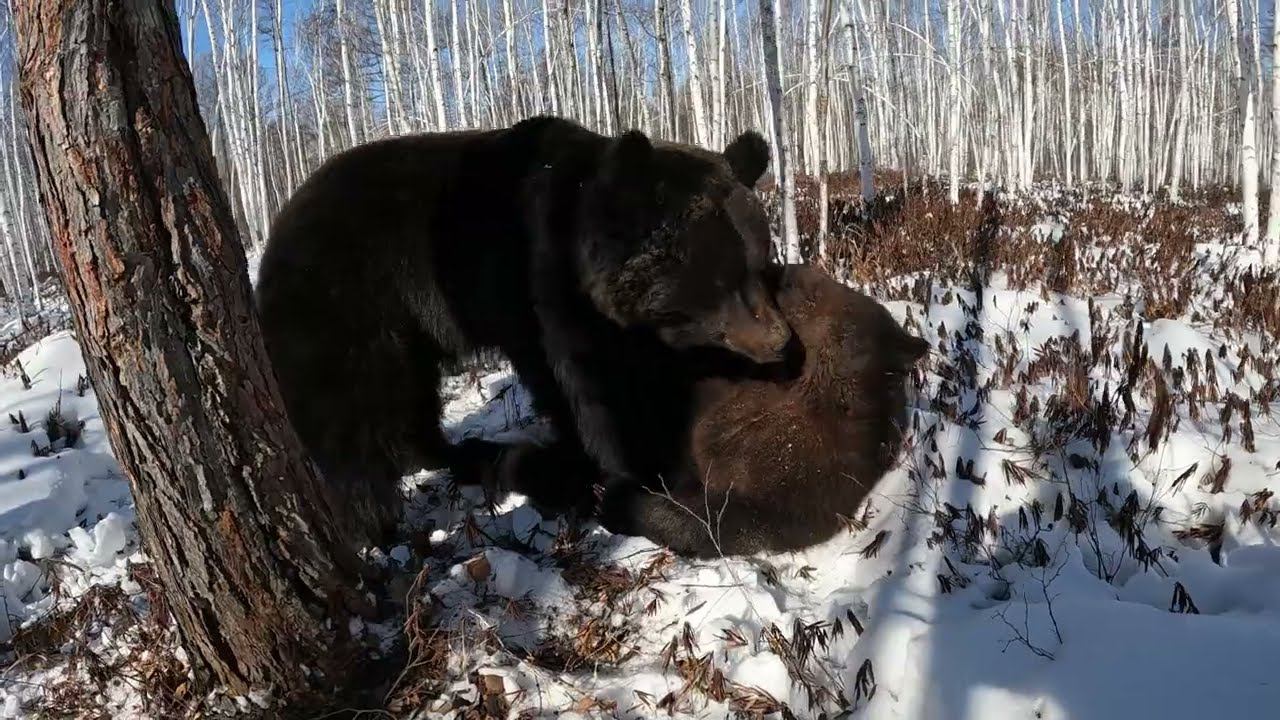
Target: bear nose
{"x": 779, "y": 333}
{"x": 770, "y": 341}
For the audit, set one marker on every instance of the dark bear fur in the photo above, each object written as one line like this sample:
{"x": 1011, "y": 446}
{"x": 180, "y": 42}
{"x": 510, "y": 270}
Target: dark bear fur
{"x": 561, "y": 248}
{"x": 789, "y": 454}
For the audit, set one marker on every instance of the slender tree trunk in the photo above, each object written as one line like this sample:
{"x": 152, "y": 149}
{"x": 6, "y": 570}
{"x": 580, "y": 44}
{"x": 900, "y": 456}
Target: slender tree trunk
{"x": 610, "y": 89}
{"x": 390, "y": 76}
{"x": 953, "y": 100}
{"x": 284, "y": 114}
{"x": 254, "y": 109}
{"x": 720, "y": 120}
{"x": 812, "y": 14}
{"x": 473, "y": 69}
{"x": 593, "y": 110}
{"x": 229, "y": 508}
{"x": 579, "y": 102}
{"x": 433, "y": 65}
{"x": 348, "y": 80}
{"x": 1067, "y": 134}
{"x": 642, "y": 109}
{"x": 509, "y": 48}
{"x": 1028, "y": 101}
{"x": 701, "y": 134}
{"x": 404, "y": 95}
{"x": 866, "y": 165}
{"x": 1271, "y": 244}
{"x": 31, "y": 229}
{"x": 6, "y": 229}
{"x": 1247, "y": 100}
{"x": 321, "y": 107}
{"x": 668, "y": 86}
{"x": 547, "y": 44}
{"x": 783, "y": 172}
{"x": 1183, "y": 109}
{"x": 14, "y": 192}
{"x": 455, "y": 65}
{"x": 823, "y": 118}
{"x": 925, "y": 62}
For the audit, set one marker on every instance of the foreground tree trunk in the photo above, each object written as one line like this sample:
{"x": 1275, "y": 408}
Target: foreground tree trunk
{"x": 155, "y": 273}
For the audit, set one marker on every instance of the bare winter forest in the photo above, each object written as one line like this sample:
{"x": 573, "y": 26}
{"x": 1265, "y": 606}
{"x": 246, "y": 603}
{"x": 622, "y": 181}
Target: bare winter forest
{"x": 1150, "y": 96}
{"x": 1068, "y": 200}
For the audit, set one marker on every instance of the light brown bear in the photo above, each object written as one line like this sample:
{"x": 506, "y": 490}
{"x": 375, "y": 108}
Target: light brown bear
{"x": 771, "y": 464}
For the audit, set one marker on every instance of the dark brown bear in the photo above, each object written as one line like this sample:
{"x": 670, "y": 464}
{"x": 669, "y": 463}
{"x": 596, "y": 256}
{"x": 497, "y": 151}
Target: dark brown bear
{"x": 563, "y": 249}
{"x": 792, "y": 454}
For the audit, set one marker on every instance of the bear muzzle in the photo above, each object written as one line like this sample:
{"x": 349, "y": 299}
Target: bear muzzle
{"x": 762, "y": 335}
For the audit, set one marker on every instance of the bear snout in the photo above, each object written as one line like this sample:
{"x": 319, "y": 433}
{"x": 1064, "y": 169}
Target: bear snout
{"x": 762, "y": 336}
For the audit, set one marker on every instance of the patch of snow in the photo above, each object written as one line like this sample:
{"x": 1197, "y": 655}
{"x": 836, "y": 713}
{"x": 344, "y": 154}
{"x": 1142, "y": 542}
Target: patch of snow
{"x": 905, "y": 618}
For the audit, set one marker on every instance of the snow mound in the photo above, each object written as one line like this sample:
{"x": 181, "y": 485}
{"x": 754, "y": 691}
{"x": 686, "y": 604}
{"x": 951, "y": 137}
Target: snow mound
{"x": 1082, "y": 525}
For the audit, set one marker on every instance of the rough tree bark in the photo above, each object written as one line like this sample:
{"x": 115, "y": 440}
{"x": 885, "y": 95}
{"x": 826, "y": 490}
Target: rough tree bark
{"x": 256, "y": 578}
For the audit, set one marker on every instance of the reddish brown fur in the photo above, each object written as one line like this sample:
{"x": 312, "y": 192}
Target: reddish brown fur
{"x": 789, "y": 455}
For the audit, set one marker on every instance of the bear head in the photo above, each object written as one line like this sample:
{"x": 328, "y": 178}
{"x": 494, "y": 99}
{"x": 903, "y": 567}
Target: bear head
{"x": 856, "y": 355}
{"x": 675, "y": 240}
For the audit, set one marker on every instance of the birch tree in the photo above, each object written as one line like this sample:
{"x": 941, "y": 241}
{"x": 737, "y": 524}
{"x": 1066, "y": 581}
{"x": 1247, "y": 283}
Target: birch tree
{"x": 1246, "y": 99}
{"x": 822, "y": 119}
{"x": 348, "y": 79}
{"x": 701, "y": 130}
{"x": 1271, "y": 243}
{"x": 953, "y": 100}
{"x": 783, "y": 172}
{"x": 1136, "y": 93}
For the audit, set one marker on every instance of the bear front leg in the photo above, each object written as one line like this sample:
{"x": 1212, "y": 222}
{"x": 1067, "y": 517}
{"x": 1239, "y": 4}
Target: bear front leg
{"x": 557, "y": 478}
{"x": 592, "y": 384}
{"x": 475, "y": 462}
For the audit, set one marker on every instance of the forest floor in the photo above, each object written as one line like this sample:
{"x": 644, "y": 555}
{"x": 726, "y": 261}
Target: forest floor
{"x": 1083, "y": 523}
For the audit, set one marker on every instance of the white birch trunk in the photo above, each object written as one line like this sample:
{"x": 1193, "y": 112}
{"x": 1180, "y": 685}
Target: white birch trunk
{"x": 701, "y": 132}
{"x": 954, "y": 110}
{"x": 285, "y": 114}
{"x": 390, "y": 80}
{"x": 455, "y": 66}
{"x": 783, "y": 171}
{"x": 809, "y": 154}
{"x": 433, "y": 67}
{"x": 719, "y": 82}
{"x": 667, "y": 93}
{"x": 15, "y": 196}
{"x": 547, "y": 38}
{"x": 1247, "y": 101}
{"x": 1068, "y": 144}
{"x": 1271, "y": 243}
{"x": 823, "y": 120}
{"x": 513, "y": 69}
{"x": 348, "y": 86}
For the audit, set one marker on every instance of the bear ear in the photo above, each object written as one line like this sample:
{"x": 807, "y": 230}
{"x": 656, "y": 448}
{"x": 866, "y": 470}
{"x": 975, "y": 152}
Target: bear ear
{"x": 628, "y": 156}
{"x": 748, "y": 156}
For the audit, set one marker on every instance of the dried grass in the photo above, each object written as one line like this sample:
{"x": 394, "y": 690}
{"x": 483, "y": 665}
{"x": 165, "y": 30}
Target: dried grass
{"x": 144, "y": 656}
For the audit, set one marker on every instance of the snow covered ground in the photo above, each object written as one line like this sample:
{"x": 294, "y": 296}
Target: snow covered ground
{"x": 1082, "y": 526}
